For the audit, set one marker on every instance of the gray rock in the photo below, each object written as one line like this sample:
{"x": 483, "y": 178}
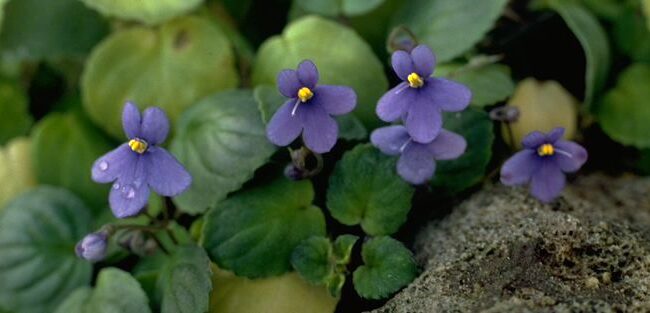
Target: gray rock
{"x": 503, "y": 251}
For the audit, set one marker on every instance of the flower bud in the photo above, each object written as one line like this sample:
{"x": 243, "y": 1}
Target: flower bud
{"x": 93, "y": 246}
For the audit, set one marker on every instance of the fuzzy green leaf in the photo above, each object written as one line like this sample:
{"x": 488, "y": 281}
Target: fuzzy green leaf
{"x": 14, "y": 117}
{"x": 186, "y": 281}
{"x": 311, "y": 259}
{"x": 632, "y": 36}
{"x": 146, "y": 11}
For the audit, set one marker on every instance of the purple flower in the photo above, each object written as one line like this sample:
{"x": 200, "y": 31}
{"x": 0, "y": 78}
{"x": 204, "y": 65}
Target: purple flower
{"x": 419, "y": 99}
{"x": 309, "y": 109}
{"x": 140, "y": 163}
{"x": 93, "y": 246}
{"x": 543, "y": 162}
{"x": 416, "y": 163}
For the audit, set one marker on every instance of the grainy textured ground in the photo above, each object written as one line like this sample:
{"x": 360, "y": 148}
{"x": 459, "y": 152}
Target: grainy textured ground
{"x": 502, "y": 251}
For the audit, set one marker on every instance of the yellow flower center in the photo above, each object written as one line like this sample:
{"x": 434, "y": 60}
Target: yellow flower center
{"x": 305, "y": 94}
{"x": 137, "y": 145}
{"x": 546, "y": 149}
{"x": 415, "y": 80}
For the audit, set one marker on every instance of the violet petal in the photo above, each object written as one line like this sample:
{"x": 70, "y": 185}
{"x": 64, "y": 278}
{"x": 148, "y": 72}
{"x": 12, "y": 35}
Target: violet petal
{"x": 320, "y": 129}
{"x": 394, "y": 103}
{"x": 424, "y": 60}
{"x": 391, "y": 139}
{"x": 307, "y": 74}
{"x": 534, "y": 140}
{"x": 336, "y": 100}
{"x": 131, "y": 120}
{"x": 447, "y": 146}
{"x": 112, "y": 165}
{"x": 402, "y": 64}
{"x": 423, "y": 121}
{"x": 283, "y": 128}
{"x": 447, "y": 95}
{"x": 288, "y": 83}
{"x": 416, "y": 165}
{"x": 547, "y": 181}
{"x": 155, "y": 126}
{"x": 569, "y": 156}
{"x": 165, "y": 175}
{"x": 519, "y": 169}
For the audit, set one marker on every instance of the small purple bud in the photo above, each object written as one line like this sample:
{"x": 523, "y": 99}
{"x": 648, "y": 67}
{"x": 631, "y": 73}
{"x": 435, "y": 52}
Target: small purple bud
{"x": 294, "y": 173}
{"x": 93, "y": 246}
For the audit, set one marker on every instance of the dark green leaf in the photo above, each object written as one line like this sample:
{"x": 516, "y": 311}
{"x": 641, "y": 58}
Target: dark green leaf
{"x": 221, "y": 141}
{"x": 342, "y": 58}
{"x": 64, "y": 148}
{"x": 594, "y": 42}
{"x": 489, "y": 83}
{"x": 311, "y": 259}
{"x": 632, "y": 36}
{"x": 146, "y": 11}
{"x": 254, "y": 232}
{"x": 625, "y": 111}
{"x": 269, "y": 100}
{"x": 186, "y": 281}
{"x": 456, "y": 175}
{"x": 167, "y": 66}
{"x": 38, "y": 233}
{"x": 449, "y": 27}
{"x": 388, "y": 266}
{"x": 36, "y": 29}
{"x": 365, "y": 189}
{"x": 116, "y": 291}
{"x": 14, "y": 117}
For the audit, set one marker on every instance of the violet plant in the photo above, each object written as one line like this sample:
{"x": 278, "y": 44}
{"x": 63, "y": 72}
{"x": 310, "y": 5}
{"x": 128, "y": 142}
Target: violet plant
{"x": 299, "y": 163}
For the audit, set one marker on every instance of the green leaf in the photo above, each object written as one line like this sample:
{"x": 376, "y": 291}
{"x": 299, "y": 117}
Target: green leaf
{"x": 388, "y": 266}
{"x": 339, "y": 7}
{"x": 489, "y": 83}
{"x": 311, "y": 259}
{"x": 365, "y": 189}
{"x": 343, "y": 248}
{"x": 145, "y": 11}
{"x": 64, "y": 148}
{"x": 269, "y": 100}
{"x": 456, "y": 175}
{"x": 625, "y": 110}
{"x": 116, "y": 291}
{"x": 632, "y": 36}
{"x": 593, "y": 39}
{"x": 14, "y": 116}
{"x": 221, "y": 141}
{"x": 38, "y": 233}
{"x": 16, "y": 171}
{"x": 342, "y": 58}
{"x": 449, "y": 27}
{"x": 166, "y": 66}
{"x": 36, "y": 29}
{"x": 186, "y": 281}
{"x": 254, "y": 232}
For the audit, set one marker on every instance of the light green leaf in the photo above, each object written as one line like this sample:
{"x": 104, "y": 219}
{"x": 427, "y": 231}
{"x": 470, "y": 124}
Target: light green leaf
{"x": 342, "y": 58}
{"x": 343, "y": 248}
{"x": 365, "y": 189}
{"x": 632, "y": 36}
{"x": 594, "y": 42}
{"x": 449, "y": 27}
{"x": 64, "y": 148}
{"x": 356, "y": 7}
{"x": 116, "y": 291}
{"x": 625, "y": 111}
{"x": 339, "y": 7}
{"x": 15, "y": 169}
{"x": 388, "y": 266}
{"x": 38, "y": 233}
{"x": 221, "y": 141}
{"x": 254, "y": 232}
{"x": 489, "y": 83}
{"x": 186, "y": 281}
{"x": 146, "y": 11}
{"x": 167, "y": 67}
{"x": 14, "y": 117}
{"x": 456, "y": 175}
{"x": 311, "y": 259}
{"x": 36, "y": 29}
{"x": 270, "y": 100}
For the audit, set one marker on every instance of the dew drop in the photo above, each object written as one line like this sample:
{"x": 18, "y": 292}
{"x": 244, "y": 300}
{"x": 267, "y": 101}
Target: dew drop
{"x": 103, "y": 165}
{"x": 137, "y": 183}
{"x": 130, "y": 193}
{"x": 116, "y": 186}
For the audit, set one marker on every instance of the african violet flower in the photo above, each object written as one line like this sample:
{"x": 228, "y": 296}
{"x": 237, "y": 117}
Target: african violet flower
{"x": 93, "y": 246}
{"x": 419, "y": 99}
{"x": 416, "y": 163}
{"x": 309, "y": 109}
{"x": 543, "y": 162}
{"x": 140, "y": 163}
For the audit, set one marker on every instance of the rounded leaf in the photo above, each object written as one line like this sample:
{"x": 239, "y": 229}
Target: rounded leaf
{"x": 14, "y": 115}
{"x": 311, "y": 259}
{"x": 64, "y": 148}
{"x": 166, "y": 66}
{"x": 38, "y": 233}
{"x": 437, "y": 23}
{"x": 186, "y": 281}
{"x": 16, "y": 171}
{"x": 221, "y": 141}
{"x": 456, "y": 175}
{"x": 351, "y": 63}
{"x": 365, "y": 189}
{"x": 388, "y": 266}
{"x": 625, "y": 111}
{"x": 146, "y": 11}
{"x": 254, "y": 232}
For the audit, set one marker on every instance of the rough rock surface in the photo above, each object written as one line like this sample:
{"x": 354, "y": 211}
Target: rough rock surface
{"x": 502, "y": 251}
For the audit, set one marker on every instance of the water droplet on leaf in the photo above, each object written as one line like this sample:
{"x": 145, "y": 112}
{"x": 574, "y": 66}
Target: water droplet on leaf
{"x": 103, "y": 165}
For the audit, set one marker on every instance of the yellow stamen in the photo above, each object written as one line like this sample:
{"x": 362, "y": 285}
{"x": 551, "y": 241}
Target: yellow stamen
{"x": 137, "y": 145}
{"x": 305, "y": 94}
{"x": 415, "y": 80}
{"x": 546, "y": 149}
